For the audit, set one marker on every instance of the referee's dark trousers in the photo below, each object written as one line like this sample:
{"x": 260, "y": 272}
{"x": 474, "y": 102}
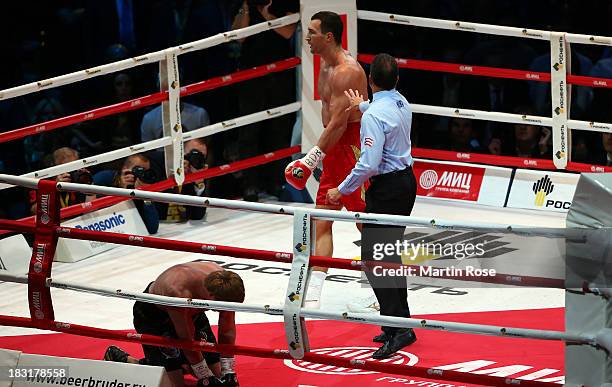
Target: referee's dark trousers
{"x": 390, "y": 193}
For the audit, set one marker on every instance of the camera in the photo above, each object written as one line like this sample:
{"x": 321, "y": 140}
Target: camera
{"x": 145, "y": 175}
{"x": 196, "y": 158}
{"x": 81, "y": 176}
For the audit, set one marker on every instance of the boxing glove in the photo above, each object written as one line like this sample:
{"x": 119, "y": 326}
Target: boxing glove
{"x": 227, "y": 370}
{"x": 298, "y": 171}
{"x": 211, "y": 381}
{"x": 230, "y": 379}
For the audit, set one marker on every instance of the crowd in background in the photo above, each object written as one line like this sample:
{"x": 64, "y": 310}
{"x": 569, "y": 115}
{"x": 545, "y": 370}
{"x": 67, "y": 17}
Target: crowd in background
{"x": 54, "y": 38}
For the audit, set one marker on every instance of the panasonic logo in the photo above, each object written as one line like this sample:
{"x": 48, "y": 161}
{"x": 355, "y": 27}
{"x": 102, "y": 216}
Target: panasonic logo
{"x": 104, "y": 224}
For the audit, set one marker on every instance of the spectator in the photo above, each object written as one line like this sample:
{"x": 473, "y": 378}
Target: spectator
{"x": 192, "y": 117}
{"x": 463, "y": 137}
{"x": 82, "y": 176}
{"x": 196, "y": 154}
{"x": 526, "y": 140}
{"x": 39, "y": 147}
{"x": 262, "y": 93}
{"x": 539, "y": 92}
{"x": 126, "y": 22}
{"x": 136, "y": 172}
{"x": 606, "y": 156}
{"x": 117, "y": 131}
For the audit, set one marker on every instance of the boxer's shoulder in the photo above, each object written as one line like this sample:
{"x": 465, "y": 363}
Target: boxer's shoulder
{"x": 345, "y": 76}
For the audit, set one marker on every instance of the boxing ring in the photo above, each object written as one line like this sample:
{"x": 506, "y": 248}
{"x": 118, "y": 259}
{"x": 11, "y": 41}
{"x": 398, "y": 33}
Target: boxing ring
{"x": 47, "y": 229}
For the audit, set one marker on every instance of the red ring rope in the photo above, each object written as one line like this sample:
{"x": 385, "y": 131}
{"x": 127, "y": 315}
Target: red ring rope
{"x": 266, "y": 255}
{"x": 148, "y": 100}
{"x": 493, "y": 72}
{"x": 78, "y": 209}
{"x": 504, "y": 161}
{"x": 416, "y": 371}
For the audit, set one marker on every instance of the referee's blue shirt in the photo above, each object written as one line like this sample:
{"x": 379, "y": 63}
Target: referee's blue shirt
{"x": 385, "y": 139}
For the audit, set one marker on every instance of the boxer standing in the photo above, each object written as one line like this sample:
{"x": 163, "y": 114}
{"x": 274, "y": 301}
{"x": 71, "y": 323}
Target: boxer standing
{"x": 338, "y": 146}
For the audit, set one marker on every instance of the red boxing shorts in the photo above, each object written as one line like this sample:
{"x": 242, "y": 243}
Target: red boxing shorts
{"x": 338, "y": 164}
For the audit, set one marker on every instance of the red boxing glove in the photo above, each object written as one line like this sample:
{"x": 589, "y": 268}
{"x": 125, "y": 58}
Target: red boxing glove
{"x": 298, "y": 171}
{"x": 297, "y": 174}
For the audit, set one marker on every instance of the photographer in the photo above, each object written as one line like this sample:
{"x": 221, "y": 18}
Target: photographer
{"x": 81, "y": 176}
{"x": 134, "y": 173}
{"x": 196, "y": 154}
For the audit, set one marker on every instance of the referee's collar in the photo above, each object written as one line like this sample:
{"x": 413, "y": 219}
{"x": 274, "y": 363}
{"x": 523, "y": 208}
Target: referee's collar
{"x": 382, "y": 94}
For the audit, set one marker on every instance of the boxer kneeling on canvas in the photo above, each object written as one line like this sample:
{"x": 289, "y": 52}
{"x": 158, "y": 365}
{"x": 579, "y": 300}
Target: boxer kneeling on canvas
{"x": 194, "y": 280}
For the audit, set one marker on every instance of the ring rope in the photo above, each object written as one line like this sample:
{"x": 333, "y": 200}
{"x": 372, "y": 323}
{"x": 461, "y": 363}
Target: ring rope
{"x": 164, "y": 141}
{"x": 277, "y": 310}
{"x": 150, "y": 99}
{"x": 289, "y": 210}
{"x": 152, "y": 57}
{"x": 479, "y": 28}
{"x": 316, "y": 212}
{"x": 96, "y": 204}
{"x": 493, "y": 72}
{"x": 273, "y": 256}
{"x": 502, "y": 161}
{"x": 415, "y": 371}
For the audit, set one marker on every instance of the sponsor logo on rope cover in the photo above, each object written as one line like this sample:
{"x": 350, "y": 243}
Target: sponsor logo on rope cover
{"x": 357, "y": 355}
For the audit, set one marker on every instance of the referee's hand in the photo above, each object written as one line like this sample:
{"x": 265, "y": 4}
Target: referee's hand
{"x": 354, "y": 98}
{"x": 333, "y": 196}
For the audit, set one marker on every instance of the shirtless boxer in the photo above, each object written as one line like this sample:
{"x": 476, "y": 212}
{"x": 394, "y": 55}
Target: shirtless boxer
{"x": 338, "y": 146}
{"x": 197, "y": 280}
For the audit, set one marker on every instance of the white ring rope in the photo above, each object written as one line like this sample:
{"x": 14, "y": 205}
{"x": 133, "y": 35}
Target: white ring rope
{"x": 494, "y": 30}
{"x": 507, "y": 117}
{"x": 277, "y": 310}
{"x": 454, "y": 25}
{"x": 162, "y": 142}
{"x": 147, "y": 58}
{"x": 575, "y": 234}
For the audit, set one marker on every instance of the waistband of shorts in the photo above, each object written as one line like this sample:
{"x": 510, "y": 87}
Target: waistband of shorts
{"x": 353, "y": 125}
{"x": 390, "y": 175}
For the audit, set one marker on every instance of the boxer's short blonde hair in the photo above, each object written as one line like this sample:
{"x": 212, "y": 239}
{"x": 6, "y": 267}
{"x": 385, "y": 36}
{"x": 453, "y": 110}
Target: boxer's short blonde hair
{"x": 225, "y": 285}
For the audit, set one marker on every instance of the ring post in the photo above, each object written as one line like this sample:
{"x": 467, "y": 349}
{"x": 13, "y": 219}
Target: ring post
{"x": 43, "y": 251}
{"x": 588, "y": 309}
{"x": 295, "y": 327}
{"x": 171, "y": 116}
{"x": 560, "y": 101}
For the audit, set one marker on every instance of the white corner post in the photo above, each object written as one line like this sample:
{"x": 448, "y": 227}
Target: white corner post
{"x": 312, "y": 127}
{"x": 588, "y": 306}
{"x": 559, "y": 65}
{"x": 171, "y": 116}
{"x": 295, "y": 327}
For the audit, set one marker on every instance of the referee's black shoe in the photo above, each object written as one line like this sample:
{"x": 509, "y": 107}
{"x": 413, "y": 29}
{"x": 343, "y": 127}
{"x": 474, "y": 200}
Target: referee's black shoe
{"x": 381, "y": 338}
{"x": 401, "y": 339}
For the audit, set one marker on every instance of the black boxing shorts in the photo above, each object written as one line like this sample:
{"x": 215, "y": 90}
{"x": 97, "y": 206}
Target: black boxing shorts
{"x": 151, "y": 320}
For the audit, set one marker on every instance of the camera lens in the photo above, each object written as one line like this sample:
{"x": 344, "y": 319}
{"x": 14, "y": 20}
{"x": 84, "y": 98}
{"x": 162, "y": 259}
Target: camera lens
{"x": 81, "y": 177}
{"x": 196, "y": 158}
{"x": 145, "y": 175}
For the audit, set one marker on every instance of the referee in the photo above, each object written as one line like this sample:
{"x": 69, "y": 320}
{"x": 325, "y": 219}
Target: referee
{"x": 385, "y": 159}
